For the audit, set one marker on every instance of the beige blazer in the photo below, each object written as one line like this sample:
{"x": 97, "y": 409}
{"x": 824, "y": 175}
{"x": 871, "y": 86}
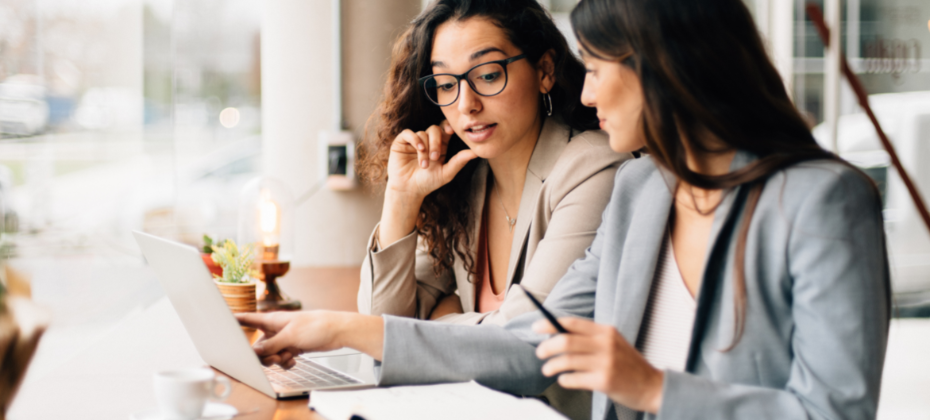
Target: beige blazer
{"x": 568, "y": 184}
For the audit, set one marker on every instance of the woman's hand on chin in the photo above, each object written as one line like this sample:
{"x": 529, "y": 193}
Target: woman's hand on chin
{"x": 596, "y": 357}
{"x": 415, "y": 165}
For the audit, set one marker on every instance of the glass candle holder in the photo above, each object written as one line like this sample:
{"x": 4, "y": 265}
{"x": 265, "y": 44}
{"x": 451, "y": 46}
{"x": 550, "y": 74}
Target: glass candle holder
{"x": 266, "y": 221}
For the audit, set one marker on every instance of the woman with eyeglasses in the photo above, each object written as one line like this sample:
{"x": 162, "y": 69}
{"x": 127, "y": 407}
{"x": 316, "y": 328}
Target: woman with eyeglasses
{"x": 493, "y": 177}
{"x": 739, "y": 272}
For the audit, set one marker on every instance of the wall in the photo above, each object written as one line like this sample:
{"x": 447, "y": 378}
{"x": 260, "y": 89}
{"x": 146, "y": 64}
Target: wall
{"x": 297, "y": 103}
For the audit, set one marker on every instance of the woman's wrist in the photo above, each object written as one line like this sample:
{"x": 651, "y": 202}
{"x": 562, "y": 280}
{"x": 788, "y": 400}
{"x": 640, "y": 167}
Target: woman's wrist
{"x": 364, "y": 333}
{"x": 654, "y": 393}
{"x": 398, "y": 216}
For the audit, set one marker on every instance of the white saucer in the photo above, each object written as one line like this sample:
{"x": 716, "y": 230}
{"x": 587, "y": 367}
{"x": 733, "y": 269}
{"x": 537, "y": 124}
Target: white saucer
{"x": 212, "y": 411}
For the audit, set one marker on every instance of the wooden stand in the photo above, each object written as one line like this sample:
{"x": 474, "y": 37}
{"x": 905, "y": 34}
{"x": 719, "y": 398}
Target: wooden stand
{"x": 272, "y": 299}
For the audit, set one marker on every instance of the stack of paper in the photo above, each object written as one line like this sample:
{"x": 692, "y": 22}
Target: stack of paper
{"x": 466, "y": 401}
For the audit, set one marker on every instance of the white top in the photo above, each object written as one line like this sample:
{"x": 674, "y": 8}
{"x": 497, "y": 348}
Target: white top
{"x": 666, "y": 333}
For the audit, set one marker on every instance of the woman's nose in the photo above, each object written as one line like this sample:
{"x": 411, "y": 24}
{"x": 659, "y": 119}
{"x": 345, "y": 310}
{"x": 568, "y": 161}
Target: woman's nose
{"x": 469, "y": 101}
{"x": 587, "y": 93}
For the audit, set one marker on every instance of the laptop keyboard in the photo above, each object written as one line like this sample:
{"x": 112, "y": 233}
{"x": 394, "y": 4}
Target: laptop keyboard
{"x": 307, "y": 374}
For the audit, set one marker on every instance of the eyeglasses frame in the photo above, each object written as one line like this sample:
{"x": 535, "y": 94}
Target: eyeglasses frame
{"x": 459, "y": 77}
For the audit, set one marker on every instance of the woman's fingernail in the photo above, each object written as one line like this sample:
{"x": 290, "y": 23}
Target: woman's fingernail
{"x": 434, "y": 156}
{"x": 424, "y": 163}
{"x": 420, "y": 146}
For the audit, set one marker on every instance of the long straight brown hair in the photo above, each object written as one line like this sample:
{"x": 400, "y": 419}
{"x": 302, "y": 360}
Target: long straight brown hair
{"x": 704, "y": 70}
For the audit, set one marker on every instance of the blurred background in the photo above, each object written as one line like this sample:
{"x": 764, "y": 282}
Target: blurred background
{"x": 118, "y": 115}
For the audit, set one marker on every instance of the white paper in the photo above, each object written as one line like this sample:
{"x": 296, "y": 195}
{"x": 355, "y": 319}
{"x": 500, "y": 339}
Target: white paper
{"x": 465, "y": 401}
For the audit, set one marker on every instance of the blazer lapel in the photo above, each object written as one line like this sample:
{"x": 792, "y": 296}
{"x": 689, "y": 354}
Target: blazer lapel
{"x": 478, "y": 189}
{"x": 552, "y": 140}
{"x": 740, "y": 160}
{"x": 726, "y": 217}
{"x": 637, "y": 266}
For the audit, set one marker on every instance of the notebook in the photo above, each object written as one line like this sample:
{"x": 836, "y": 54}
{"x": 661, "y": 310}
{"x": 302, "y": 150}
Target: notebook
{"x": 467, "y": 400}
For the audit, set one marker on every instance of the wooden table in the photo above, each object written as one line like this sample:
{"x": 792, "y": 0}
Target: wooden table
{"x": 112, "y": 378}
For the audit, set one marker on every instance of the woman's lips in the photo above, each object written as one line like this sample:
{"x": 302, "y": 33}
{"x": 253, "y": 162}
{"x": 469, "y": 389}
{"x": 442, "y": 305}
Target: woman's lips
{"x": 481, "y": 133}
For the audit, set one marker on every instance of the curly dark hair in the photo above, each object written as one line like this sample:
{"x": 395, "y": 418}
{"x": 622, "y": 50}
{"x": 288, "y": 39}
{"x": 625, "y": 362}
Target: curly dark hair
{"x": 444, "y": 217}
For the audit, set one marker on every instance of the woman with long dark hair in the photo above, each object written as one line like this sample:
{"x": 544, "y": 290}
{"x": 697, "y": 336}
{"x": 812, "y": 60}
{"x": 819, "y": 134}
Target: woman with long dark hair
{"x": 493, "y": 175}
{"x": 739, "y": 270}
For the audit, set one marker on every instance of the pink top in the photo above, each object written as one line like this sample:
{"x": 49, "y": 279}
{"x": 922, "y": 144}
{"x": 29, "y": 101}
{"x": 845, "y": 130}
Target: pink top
{"x": 486, "y": 300}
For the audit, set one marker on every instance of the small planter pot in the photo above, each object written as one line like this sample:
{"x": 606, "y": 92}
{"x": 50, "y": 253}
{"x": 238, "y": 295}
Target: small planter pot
{"x": 240, "y": 297}
{"x": 214, "y": 268}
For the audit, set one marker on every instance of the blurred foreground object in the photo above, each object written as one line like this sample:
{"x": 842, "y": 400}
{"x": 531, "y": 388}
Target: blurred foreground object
{"x": 22, "y": 324}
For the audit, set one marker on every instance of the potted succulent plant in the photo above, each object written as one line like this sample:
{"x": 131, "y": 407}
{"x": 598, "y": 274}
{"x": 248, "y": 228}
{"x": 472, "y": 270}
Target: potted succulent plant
{"x": 236, "y": 283}
{"x": 206, "y": 252}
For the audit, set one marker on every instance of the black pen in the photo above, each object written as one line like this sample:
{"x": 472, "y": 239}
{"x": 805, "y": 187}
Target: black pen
{"x": 545, "y": 313}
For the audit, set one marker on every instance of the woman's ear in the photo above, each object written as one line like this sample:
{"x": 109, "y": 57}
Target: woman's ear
{"x": 545, "y": 69}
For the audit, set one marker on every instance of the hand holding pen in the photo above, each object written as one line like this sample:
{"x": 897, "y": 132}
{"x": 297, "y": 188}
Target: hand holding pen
{"x": 595, "y": 357}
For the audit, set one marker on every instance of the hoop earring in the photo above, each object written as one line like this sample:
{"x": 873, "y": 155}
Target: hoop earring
{"x": 547, "y": 100}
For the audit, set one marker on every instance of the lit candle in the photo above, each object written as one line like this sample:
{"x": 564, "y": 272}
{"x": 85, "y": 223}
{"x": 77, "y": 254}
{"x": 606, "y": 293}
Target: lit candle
{"x": 269, "y": 214}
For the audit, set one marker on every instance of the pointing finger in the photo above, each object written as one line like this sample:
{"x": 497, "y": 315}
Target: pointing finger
{"x": 258, "y": 321}
{"x": 273, "y": 345}
{"x": 270, "y": 360}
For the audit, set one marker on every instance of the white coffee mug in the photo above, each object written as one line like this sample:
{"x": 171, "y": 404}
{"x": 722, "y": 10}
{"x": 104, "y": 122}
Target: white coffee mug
{"x": 182, "y": 394}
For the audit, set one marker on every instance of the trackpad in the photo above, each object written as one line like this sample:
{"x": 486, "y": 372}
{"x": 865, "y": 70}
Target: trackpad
{"x": 357, "y": 364}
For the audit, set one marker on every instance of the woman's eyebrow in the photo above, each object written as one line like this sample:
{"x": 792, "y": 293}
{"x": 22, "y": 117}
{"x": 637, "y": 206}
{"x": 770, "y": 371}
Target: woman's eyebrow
{"x": 473, "y": 57}
{"x": 481, "y": 53}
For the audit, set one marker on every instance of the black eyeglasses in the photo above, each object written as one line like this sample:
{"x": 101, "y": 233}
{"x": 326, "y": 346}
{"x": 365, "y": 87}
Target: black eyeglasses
{"x": 486, "y": 79}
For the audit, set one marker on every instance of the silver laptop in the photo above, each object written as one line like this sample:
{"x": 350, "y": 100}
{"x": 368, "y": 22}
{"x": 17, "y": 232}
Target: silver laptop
{"x": 221, "y": 342}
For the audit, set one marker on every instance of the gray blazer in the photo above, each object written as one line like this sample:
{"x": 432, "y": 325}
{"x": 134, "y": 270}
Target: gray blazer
{"x": 818, "y": 303}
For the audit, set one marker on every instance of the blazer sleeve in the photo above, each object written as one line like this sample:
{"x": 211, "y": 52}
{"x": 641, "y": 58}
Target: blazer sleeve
{"x": 399, "y": 280}
{"x": 501, "y": 357}
{"x": 841, "y": 310}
